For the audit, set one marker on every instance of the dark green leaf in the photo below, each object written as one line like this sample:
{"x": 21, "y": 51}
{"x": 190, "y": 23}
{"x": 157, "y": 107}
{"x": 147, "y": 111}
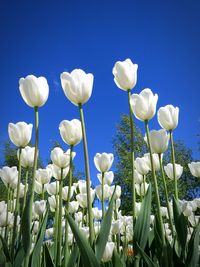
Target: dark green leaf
{"x": 73, "y": 256}
{"x": 48, "y": 259}
{"x": 25, "y": 227}
{"x": 116, "y": 260}
{"x": 86, "y": 251}
{"x": 193, "y": 248}
{"x": 2, "y": 255}
{"x": 104, "y": 231}
{"x": 145, "y": 257}
{"x": 19, "y": 258}
{"x": 5, "y": 249}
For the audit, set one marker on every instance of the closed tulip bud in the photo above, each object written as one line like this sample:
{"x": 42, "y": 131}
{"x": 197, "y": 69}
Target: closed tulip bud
{"x": 104, "y": 161}
{"x": 106, "y": 192}
{"x": 194, "y": 168}
{"x": 144, "y": 104}
{"x": 9, "y": 176}
{"x": 71, "y": 131}
{"x": 125, "y": 74}
{"x": 142, "y": 165}
{"x": 118, "y": 203}
{"x": 169, "y": 170}
{"x": 34, "y": 91}
{"x": 21, "y": 190}
{"x": 39, "y": 207}
{"x": 65, "y": 192}
{"x": 20, "y": 133}
{"x": 43, "y": 176}
{"x": 27, "y": 156}
{"x": 156, "y": 162}
{"x": 52, "y": 203}
{"x": 138, "y": 177}
{"x": 56, "y": 171}
{"x": 77, "y": 86}
{"x": 73, "y": 206}
{"x": 141, "y": 189}
{"x": 51, "y": 188}
{"x": 60, "y": 158}
{"x": 108, "y": 177}
{"x": 108, "y": 252}
{"x": 159, "y": 141}
{"x": 168, "y": 117}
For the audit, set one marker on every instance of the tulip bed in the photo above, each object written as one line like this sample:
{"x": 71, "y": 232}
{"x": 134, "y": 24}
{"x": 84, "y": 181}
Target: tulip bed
{"x": 45, "y": 223}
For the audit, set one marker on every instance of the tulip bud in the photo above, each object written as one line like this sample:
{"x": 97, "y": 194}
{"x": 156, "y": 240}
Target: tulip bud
{"x": 20, "y": 133}
{"x": 9, "y": 176}
{"x": 51, "y": 188}
{"x": 142, "y": 165}
{"x": 77, "y": 86}
{"x": 56, "y": 171}
{"x": 108, "y": 177}
{"x": 65, "y": 192}
{"x": 34, "y": 91}
{"x": 71, "y": 131}
{"x": 27, "y": 156}
{"x": 3, "y": 206}
{"x": 104, "y": 161}
{"x": 118, "y": 191}
{"x": 168, "y": 117}
{"x": 115, "y": 227}
{"x": 82, "y": 198}
{"x": 43, "y": 176}
{"x": 125, "y": 74}
{"x": 169, "y": 170}
{"x": 73, "y": 206}
{"x": 144, "y": 104}
{"x": 156, "y": 162}
{"x": 195, "y": 168}
{"x": 39, "y": 207}
{"x": 78, "y": 216}
{"x": 60, "y": 158}
{"x": 159, "y": 141}
{"x": 106, "y": 192}
{"x": 97, "y": 214}
{"x": 52, "y": 203}
{"x": 141, "y": 189}
{"x": 108, "y": 252}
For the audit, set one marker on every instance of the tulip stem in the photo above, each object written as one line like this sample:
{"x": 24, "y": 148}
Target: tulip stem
{"x": 102, "y": 194}
{"x": 16, "y": 212}
{"x": 56, "y": 224}
{"x": 26, "y": 262}
{"x": 87, "y": 172}
{"x": 25, "y": 190}
{"x": 7, "y": 210}
{"x": 59, "y": 251}
{"x": 166, "y": 194}
{"x": 155, "y": 184}
{"x": 174, "y": 165}
{"x": 67, "y": 208}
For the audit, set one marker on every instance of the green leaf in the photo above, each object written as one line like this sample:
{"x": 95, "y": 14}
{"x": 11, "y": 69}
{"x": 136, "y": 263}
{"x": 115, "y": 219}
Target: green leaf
{"x": 48, "y": 259}
{"x": 180, "y": 225}
{"x": 142, "y": 225}
{"x": 86, "y": 251}
{"x": 104, "y": 231}
{"x": 2, "y": 255}
{"x": 5, "y": 249}
{"x": 116, "y": 260}
{"x": 73, "y": 256}
{"x": 145, "y": 257}
{"x": 193, "y": 249}
{"x": 25, "y": 227}
{"x": 36, "y": 252}
{"x": 19, "y": 258}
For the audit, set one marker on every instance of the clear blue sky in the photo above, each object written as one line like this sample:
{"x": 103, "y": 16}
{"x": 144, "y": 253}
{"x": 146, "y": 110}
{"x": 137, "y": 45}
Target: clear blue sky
{"x": 45, "y": 38}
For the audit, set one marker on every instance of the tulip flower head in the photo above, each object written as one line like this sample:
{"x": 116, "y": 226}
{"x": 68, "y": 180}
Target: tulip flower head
{"x": 159, "y": 141}
{"x": 77, "y": 86}
{"x": 27, "y": 156}
{"x": 60, "y": 158}
{"x": 34, "y": 91}
{"x": 194, "y": 168}
{"x": 71, "y": 131}
{"x": 125, "y": 74}
{"x": 104, "y": 161}
{"x": 108, "y": 177}
{"x": 20, "y": 133}
{"x": 169, "y": 170}
{"x": 9, "y": 176}
{"x": 168, "y": 117}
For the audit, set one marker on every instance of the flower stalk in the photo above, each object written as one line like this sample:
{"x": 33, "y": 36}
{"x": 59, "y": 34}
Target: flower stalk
{"x": 174, "y": 165}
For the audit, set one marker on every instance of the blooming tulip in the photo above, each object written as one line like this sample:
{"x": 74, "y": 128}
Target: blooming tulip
{"x": 169, "y": 170}
{"x": 65, "y": 190}
{"x": 168, "y": 117}
{"x": 141, "y": 189}
{"x": 27, "y": 156}
{"x": 20, "y": 133}
{"x": 56, "y": 171}
{"x": 106, "y": 192}
{"x": 159, "y": 141}
{"x": 51, "y": 188}
{"x": 40, "y": 188}
{"x": 103, "y": 162}
{"x": 108, "y": 177}
{"x": 71, "y": 131}
{"x": 142, "y": 166}
{"x": 156, "y": 162}
{"x": 194, "y": 168}
{"x": 125, "y": 74}
{"x": 144, "y": 104}
{"x": 52, "y": 203}
{"x": 82, "y": 198}
{"x": 60, "y": 158}
{"x": 77, "y": 86}
{"x": 9, "y": 176}
{"x": 43, "y": 176}
{"x": 118, "y": 191}
{"x": 108, "y": 252}
{"x": 73, "y": 206}
{"x": 34, "y": 91}
{"x": 39, "y": 207}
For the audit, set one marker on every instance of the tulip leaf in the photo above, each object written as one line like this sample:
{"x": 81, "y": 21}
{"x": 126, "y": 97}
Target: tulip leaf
{"x": 19, "y": 258}
{"x": 86, "y": 251}
{"x": 116, "y": 259}
{"x": 142, "y": 225}
{"x": 193, "y": 248}
{"x": 73, "y": 256}
{"x": 145, "y": 257}
{"x": 180, "y": 225}
{"x": 48, "y": 259}
{"x": 40, "y": 238}
{"x": 104, "y": 230}
{"x": 5, "y": 249}
{"x": 2, "y": 255}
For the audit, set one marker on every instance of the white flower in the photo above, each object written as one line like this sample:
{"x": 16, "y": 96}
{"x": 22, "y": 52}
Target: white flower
{"x": 52, "y": 203}
{"x": 141, "y": 189}
{"x": 78, "y": 216}
{"x": 108, "y": 177}
{"x": 51, "y": 188}
{"x": 115, "y": 227}
{"x": 56, "y": 171}
{"x": 27, "y": 156}
{"x": 77, "y": 86}
{"x": 159, "y": 141}
{"x": 125, "y": 74}
{"x": 118, "y": 191}
{"x": 34, "y": 91}
{"x": 168, "y": 117}
{"x": 73, "y": 206}
{"x": 39, "y": 188}
{"x": 141, "y": 165}
{"x": 106, "y": 191}
{"x": 144, "y": 104}
{"x": 169, "y": 170}
{"x": 20, "y": 133}
{"x": 138, "y": 177}
{"x": 194, "y": 168}
{"x": 43, "y": 176}
{"x": 108, "y": 252}
{"x": 9, "y": 176}
{"x": 82, "y": 198}
{"x": 60, "y": 158}
{"x": 39, "y": 207}
{"x": 104, "y": 161}
{"x": 65, "y": 192}
{"x": 97, "y": 214}
{"x": 156, "y": 162}
{"x": 71, "y": 131}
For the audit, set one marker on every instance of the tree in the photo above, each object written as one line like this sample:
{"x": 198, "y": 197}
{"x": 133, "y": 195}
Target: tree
{"x": 121, "y": 145}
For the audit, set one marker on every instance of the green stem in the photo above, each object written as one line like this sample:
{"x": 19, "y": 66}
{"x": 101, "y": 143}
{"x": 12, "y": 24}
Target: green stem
{"x": 87, "y": 172}
{"x": 132, "y": 158}
{"x": 67, "y": 209}
{"x": 56, "y": 224}
{"x": 25, "y": 190}
{"x": 155, "y": 185}
{"x": 166, "y": 194}
{"x": 42, "y": 192}
{"x": 102, "y": 189}
{"x": 26, "y": 262}
{"x": 16, "y": 212}
{"x": 59, "y": 251}
{"x": 7, "y": 210}
{"x": 174, "y": 165}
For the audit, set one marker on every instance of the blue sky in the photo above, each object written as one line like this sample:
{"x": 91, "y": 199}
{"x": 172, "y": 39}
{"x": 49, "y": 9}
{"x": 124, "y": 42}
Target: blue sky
{"x": 45, "y": 38}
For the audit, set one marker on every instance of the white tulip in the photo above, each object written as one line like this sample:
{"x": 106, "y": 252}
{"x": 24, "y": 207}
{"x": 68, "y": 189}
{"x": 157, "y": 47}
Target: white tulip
{"x": 35, "y": 227}
{"x": 82, "y": 198}
{"x": 106, "y": 192}
{"x": 82, "y": 186}
{"x": 65, "y": 190}
{"x": 49, "y": 233}
{"x": 104, "y": 161}
{"x": 169, "y": 170}
{"x": 39, "y": 207}
{"x": 144, "y": 104}
{"x": 71, "y": 131}
{"x": 156, "y": 162}
{"x": 159, "y": 141}
{"x": 141, "y": 189}
{"x": 34, "y": 91}
{"x": 27, "y": 156}
{"x": 118, "y": 191}
{"x": 40, "y": 188}
{"x": 194, "y": 168}
{"x": 164, "y": 212}
{"x": 108, "y": 177}
{"x": 52, "y": 203}
{"x": 118, "y": 203}
{"x": 4, "y": 221}
{"x": 125, "y": 74}
{"x": 60, "y": 158}
{"x": 77, "y": 86}
{"x": 43, "y": 176}
{"x": 141, "y": 165}
{"x": 78, "y": 217}
{"x": 108, "y": 252}
{"x": 115, "y": 227}
{"x": 20, "y": 133}
{"x": 51, "y": 188}
{"x": 97, "y": 214}
{"x": 168, "y": 117}
{"x": 9, "y": 176}
{"x": 73, "y": 206}
{"x": 3, "y": 206}
{"x": 56, "y": 171}
{"x": 138, "y": 177}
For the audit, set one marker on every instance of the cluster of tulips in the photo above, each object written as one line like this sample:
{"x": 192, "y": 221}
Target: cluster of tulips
{"x": 81, "y": 234}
